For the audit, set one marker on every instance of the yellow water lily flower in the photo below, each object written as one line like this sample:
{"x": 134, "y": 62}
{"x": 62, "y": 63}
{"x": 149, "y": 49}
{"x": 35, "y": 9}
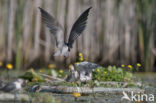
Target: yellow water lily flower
{"x": 76, "y": 94}
{"x": 122, "y": 65}
{"x": 9, "y": 66}
{"x": 81, "y": 59}
{"x": 41, "y": 71}
{"x": 130, "y": 66}
{"x": 60, "y": 71}
{"x": 1, "y": 63}
{"x": 80, "y": 54}
{"x": 138, "y": 65}
{"x": 51, "y": 66}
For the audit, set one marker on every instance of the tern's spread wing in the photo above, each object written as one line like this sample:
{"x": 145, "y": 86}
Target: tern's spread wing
{"x": 55, "y": 28}
{"x": 78, "y": 27}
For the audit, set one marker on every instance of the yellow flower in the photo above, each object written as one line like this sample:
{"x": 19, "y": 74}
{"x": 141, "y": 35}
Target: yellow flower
{"x": 77, "y": 63}
{"x": 76, "y": 94}
{"x": 41, "y": 71}
{"x": 105, "y": 72}
{"x": 122, "y": 66}
{"x": 138, "y": 65}
{"x": 130, "y": 66}
{"x": 1, "y": 64}
{"x": 70, "y": 66}
{"x": 60, "y": 71}
{"x": 9, "y": 66}
{"x": 81, "y": 59}
{"x": 51, "y": 66}
{"x": 80, "y": 54}
{"x": 98, "y": 70}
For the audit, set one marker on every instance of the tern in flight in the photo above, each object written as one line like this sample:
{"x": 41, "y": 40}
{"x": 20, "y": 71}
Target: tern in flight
{"x": 58, "y": 32}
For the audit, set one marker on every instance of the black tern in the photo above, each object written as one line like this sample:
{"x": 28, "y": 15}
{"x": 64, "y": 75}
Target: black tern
{"x": 58, "y": 32}
{"x": 83, "y": 72}
{"x": 13, "y": 86}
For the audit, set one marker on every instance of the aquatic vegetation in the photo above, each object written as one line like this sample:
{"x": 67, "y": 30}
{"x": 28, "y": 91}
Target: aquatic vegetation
{"x": 122, "y": 65}
{"x": 98, "y": 70}
{"x": 33, "y": 76}
{"x": 41, "y": 71}
{"x": 130, "y": 66}
{"x": 61, "y": 73}
{"x": 112, "y": 73}
{"x": 138, "y": 65}
{"x": 80, "y": 57}
{"x": 9, "y": 67}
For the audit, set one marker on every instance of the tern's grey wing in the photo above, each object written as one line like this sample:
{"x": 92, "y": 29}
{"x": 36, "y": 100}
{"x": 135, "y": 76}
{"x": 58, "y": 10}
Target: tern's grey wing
{"x": 55, "y": 28}
{"x": 86, "y": 66}
{"x": 78, "y": 27}
{"x": 9, "y": 87}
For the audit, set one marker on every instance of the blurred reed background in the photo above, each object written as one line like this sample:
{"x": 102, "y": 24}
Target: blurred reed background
{"x": 118, "y": 32}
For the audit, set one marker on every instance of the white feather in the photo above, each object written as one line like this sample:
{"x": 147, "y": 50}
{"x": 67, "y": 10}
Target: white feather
{"x": 18, "y": 85}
